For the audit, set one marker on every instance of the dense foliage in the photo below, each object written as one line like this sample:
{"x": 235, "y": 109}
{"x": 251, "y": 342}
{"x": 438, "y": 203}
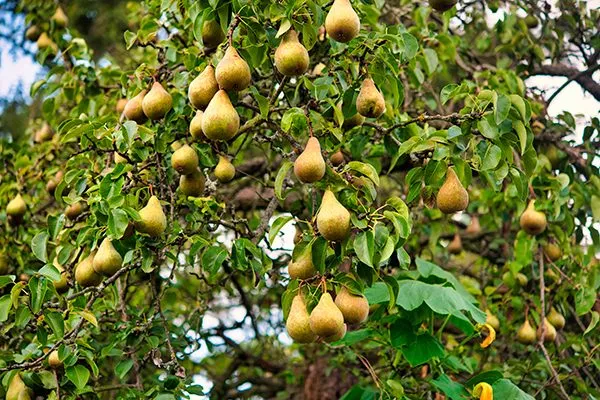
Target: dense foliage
{"x": 195, "y": 301}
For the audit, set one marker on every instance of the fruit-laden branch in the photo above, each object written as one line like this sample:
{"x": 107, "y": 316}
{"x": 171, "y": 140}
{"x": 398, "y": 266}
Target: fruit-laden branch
{"x": 584, "y": 78}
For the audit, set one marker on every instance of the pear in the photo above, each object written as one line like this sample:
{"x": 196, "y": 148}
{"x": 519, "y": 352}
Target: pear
{"x": 342, "y": 22}
{"x": 339, "y": 335}
{"x": 185, "y": 160}
{"x": 54, "y": 360}
{"x": 553, "y": 252}
{"x": 61, "y": 285}
{"x": 353, "y": 121}
{"x": 370, "y": 102}
{"x": 16, "y": 207}
{"x": 212, "y": 34}
{"x": 474, "y": 226}
{"x": 526, "y": 334}
{"x": 550, "y": 333}
{"x": 442, "y": 5}
{"x": 107, "y": 260}
{"x": 43, "y": 42}
{"x": 133, "y": 109}
{"x": 354, "y": 308}
{"x": 455, "y": 246}
{"x": 326, "y": 319}
{"x": 492, "y": 320}
{"x": 333, "y": 220}
{"x": 532, "y": 221}
{"x": 192, "y": 184}
{"x": 337, "y": 158}
{"x": 53, "y": 182}
{"x": 74, "y": 210}
{"x": 224, "y": 171}
{"x": 220, "y": 120}
{"x": 452, "y": 196}
{"x": 291, "y": 57}
{"x": 318, "y": 69}
{"x": 85, "y": 275}
{"x": 232, "y": 72}
{"x": 17, "y": 390}
{"x": 556, "y": 319}
{"x": 32, "y": 33}
{"x": 531, "y": 21}
{"x": 196, "y": 126}
{"x": 297, "y": 324}
{"x": 157, "y": 102}
{"x": 302, "y": 267}
{"x": 152, "y": 218}
{"x": 59, "y": 17}
{"x": 44, "y": 133}
{"x": 203, "y": 88}
{"x": 309, "y": 166}
{"x": 120, "y": 106}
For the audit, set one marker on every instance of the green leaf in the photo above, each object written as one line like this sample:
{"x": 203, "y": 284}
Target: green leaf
{"x": 411, "y": 45}
{"x": 453, "y": 390}
{"x": 487, "y": 376}
{"x": 424, "y": 348}
{"x": 263, "y": 102}
{"x": 50, "y": 272}
{"x": 130, "y": 38}
{"x": 123, "y": 368}
{"x": 491, "y": 158}
{"x": 55, "y": 224}
{"x": 364, "y": 247}
{"x": 593, "y": 322}
{"x": 79, "y": 375}
{"x": 280, "y": 178}
{"x": 501, "y": 108}
{"x": 38, "y": 245}
{"x": 505, "y": 389}
{"x": 277, "y": 225}
{"x": 487, "y": 129}
{"x": 117, "y": 223}
{"x": 88, "y": 316}
{"x": 431, "y": 60}
{"x": 518, "y": 103}
{"x": 355, "y": 336}
{"x": 447, "y": 92}
{"x": 213, "y": 258}
{"x": 56, "y": 323}
{"x": 5, "y": 306}
{"x": 366, "y": 169}
{"x": 283, "y": 28}
{"x": 37, "y": 288}
{"x": 319, "y": 253}
{"x": 522, "y": 134}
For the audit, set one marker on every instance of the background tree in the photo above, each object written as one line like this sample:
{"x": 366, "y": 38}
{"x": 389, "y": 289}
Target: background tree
{"x": 136, "y": 264}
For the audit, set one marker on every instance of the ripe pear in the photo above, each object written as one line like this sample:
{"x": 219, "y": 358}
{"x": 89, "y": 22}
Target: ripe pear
{"x": 192, "y": 184}
{"x": 532, "y": 221}
{"x": 203, "y": 88}
{"x": 224, "y": 171}
{"x": 474, "y": 226}
{"x": 43, "y": 42}
{"x": 354, "y": 121}
{"x": 152, "y": 218}
{"x": 452, "y": 196}
{"x": 196, "y": 126}
{"x": 16, "y": 207}
{"x": 354, "y": 308}
{"x": 74, "y": 210}
{"x": 157, "y": 102}
{"x": 54, "y": 361}
{"x": 59, "y": 17}
{"x": 556, "y": 319}
{"x": 339, "y": 335}
{"x": 526, "y": 334}
{"x": 553, "y": 252}
{"x": 550, "y": 333}
{"x": 32, "y": 33}
{"x": 133, "y": 109}
{"x": 492, "y": 320}
{"x": 442, "y": 5}
{"x": 212, "y": 34}
{"x": 309, "y": 166}
{"x": 302, "y": 267}
{"x": 333, "y": 220}
{"x": 85, "y": 275}
{"x": 17, "y": 390}
{"x": 61, "y": 285}
{"x": 120, "y": 106}
{"x": 185, "y": 160}
{"x": 455, "y": 246}
{"x": 337, "y": 158}
{"x": 291, "y": 57}
{"x": 342, "y": 22}
{"x": 370, "y": 102}
{"x": 326, "y": 319}
{"x": 232, "y": 72}
{"x": 297, "y": 324}
{"x": 107, "y": 260}
{"x": 220, "y": 120}
{"x": 44, "y": 133}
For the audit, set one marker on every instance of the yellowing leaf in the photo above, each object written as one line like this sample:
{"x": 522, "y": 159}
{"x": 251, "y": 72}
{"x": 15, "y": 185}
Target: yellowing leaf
{"x": 88, "y": 316}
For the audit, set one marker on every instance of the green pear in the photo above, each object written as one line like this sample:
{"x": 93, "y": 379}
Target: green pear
{"x": 233, "y": 73}
{"x": 354, "y": 308}
{"x": 533, "y": 221}
{"x": 44, "y": 133}
{"x": 120, "y": 106}
{"x": 16, "y": 207}
{"x": 452, "y": 196}
{"x": 224, "y": 171}
{"x": 550, "y": 332}
{"x": 526, "y": 334}
{"x": 17, "y": 390}
{"x": 553, "y": 252}
{"x": 185, "y": 160}
{"x": 203, "y": 88}
{"x": 342, "y": 22}
{"x": 157, "y": 102}
{"x": 220, "y": 120}
{"x": 33, "y": 33}
{"x": 302, "y": 267}
{"x": 212, "y": 34}
{"x": 326, "y": 319}
{"x": 309, "y": 166}
{"x": 339, "y": 335}
{"x": 192, "y": 184}
{"x": 74, "y": 210}
{"x": 370, "y": 102}
{"x": 297, "y": 324}
{"x": 333, "y": 220}
{"x": 133, "y": 109}
{"x": 196, "y": 126}
{"x": 152, "y": 218}
{"x": 354, "y": 121}
{"x": 556, "y": 319}
{"x": 291, "y": 57}
{"x": 85, "y": 275}
{"x": 107, "y": 260}
{"x": 61, "y": 285}
{"x": 60, "y": 18}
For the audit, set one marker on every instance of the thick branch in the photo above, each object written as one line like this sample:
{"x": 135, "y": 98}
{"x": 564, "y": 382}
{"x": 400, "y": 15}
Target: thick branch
{"x": 584, "y": 79}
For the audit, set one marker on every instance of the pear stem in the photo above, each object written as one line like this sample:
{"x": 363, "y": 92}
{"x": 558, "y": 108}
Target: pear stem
{"x": 234, "y": 23}
{"x": 151, "y": 189}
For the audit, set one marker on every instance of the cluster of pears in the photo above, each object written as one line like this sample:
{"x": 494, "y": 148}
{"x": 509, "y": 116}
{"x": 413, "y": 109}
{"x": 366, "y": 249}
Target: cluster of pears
{"x": 105, "y": 261}
{"x": 532, "y": 221}
{"x": 526, "y": 334}
{"x": 15, "y": 210}
{"x": 42, "y": 39}
{"x": 153, "y": 104}
{"x": 185, "y": 162}
{"x": 328, "y": 319}
{"x": 452, "y": 196}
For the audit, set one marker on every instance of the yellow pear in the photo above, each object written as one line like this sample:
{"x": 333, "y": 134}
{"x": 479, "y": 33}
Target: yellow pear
{"x": 54, "y": 360}
{"x": 85, "y": 275}
{"x": 442, "y": 5}
{"x": 309, "y": 166}
{"x": 297, "y": 324}
{"x": 203, "y": 88}
{"x": 17, "y": 390}
{"x": 74, "y": 210}
{"x": 107, "y": 260}
{"x": 337, "y": 158}
{"x": 232, "y": 72}
{"x": 455, "y": 246}
{"x": 185, "y": 160}
{"x": 133, "y": 109}
{"x": 16, "y": 207}
{"x": 220, "y": 120}
{"x": 152, "y": 218}
{"x": 44, "y": 133}
{"x": 532, "y": 221}
{"x": 302, "y": 267}
{"x": 120, "y": 106}
{"x": 342, "y": 22}
{"x": 44, "y": 42}
{"x": 59, "y": 17}
{"x": 452, "y": 196}
{"x": 54, "y": 181}
{"x": 333, "y": 220}
{"x": 526, "y": 334}
{"x": 553, "y": 252}
{"x": 549, "y": 334}
{"x": 32, "y": 33}
{"x": 212, "y": 34}
{"x": 157, "y": 102}
{"x": 556, "y": 319}
{"x": 492, "y": 320}
{"x": 326, "y": 319}
{"x": 224, "y": 171}
{"x": 370, "y": 102}
{"x": 61, "y": 285}
{"x": 318, "y": 69}
{"x": 339, "y": 335}
{"x": 196, "y": 126}
{"x": 192, "y": 184}
{"x": 355, "y": 308}
{"x": 291, "y": 57}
